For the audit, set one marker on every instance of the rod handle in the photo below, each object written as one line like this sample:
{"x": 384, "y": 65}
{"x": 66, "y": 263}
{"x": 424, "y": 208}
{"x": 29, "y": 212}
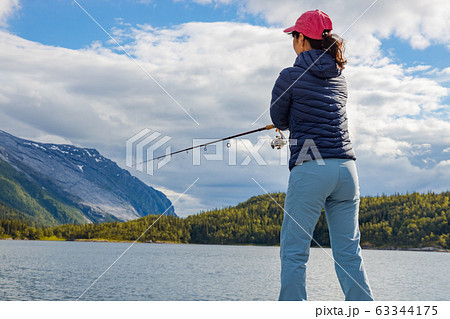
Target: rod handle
{"x": 269, "y": 127}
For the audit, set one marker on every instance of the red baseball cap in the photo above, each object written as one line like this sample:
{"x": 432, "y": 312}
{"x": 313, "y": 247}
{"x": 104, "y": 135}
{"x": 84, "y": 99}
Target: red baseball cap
{"x": 312, "y": 24}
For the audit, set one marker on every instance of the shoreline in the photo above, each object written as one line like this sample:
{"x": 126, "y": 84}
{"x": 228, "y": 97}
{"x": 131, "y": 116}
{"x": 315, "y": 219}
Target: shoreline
{"x": 364, "y": 247}
{"x": 426, "y": 249}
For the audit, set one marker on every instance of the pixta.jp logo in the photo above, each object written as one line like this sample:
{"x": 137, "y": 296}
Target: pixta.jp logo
{"x": 140, "y": 150}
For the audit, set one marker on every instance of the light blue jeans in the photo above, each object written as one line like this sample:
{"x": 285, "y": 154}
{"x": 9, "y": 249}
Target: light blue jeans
{"x": 311, "y": 188}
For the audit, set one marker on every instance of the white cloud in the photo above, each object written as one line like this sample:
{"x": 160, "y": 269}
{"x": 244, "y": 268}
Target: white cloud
{"x": 188, "y": 204}
{"x": 54, "y": 139}
{"x": 441, "y": 75}
{"x": 419, "y": 22}
{"x": 223, "y": 73}
{"x": 418, "y": 68}
{"x": 7, "y": 7}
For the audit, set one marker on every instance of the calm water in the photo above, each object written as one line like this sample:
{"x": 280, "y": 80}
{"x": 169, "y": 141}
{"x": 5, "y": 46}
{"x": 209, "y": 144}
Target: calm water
{"x": 37, "y": 270}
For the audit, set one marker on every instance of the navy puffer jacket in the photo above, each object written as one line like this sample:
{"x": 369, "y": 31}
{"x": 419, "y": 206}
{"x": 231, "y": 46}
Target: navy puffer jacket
{"x": 312, "y": 108}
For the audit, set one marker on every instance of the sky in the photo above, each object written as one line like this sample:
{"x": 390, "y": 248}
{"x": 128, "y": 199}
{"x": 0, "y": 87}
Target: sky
{"x": 204, "y": 69}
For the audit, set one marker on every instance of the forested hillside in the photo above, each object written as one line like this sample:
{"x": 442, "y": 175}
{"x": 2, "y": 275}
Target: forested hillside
{"x": 32, "y": 201}
{"x": 412, "y": 220}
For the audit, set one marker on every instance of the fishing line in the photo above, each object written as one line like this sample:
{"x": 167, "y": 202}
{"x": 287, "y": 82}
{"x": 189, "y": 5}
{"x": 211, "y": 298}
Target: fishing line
{"x": 267, "y": 127}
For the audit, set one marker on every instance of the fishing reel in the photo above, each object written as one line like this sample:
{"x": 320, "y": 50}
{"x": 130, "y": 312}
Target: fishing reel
{"x": 279, "y": 141}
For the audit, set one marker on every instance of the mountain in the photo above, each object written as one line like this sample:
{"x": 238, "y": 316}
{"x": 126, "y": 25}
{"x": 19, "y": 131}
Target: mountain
{"x": 57, "y": 184}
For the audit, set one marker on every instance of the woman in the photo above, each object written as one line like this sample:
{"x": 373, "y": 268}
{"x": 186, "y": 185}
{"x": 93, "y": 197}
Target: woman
{"x": 309, "y": 99}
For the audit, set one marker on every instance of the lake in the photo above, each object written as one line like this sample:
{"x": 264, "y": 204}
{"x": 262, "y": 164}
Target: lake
{"x": 45, "y": 270}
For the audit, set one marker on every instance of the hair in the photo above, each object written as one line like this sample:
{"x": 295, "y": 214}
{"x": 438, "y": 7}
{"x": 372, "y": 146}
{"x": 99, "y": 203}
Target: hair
{"x": 333, "y": 44}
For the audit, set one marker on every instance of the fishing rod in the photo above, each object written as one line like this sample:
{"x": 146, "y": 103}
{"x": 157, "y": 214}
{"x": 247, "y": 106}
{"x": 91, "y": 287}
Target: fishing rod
{"x": 278, "y": 142}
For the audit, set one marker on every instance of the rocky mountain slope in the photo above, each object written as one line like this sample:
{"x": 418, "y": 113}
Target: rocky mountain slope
{"x": 56, "y": 184}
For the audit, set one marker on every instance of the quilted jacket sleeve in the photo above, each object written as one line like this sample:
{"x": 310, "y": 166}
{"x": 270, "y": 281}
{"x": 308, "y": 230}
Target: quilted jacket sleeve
{"x": 281, "y": 101}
